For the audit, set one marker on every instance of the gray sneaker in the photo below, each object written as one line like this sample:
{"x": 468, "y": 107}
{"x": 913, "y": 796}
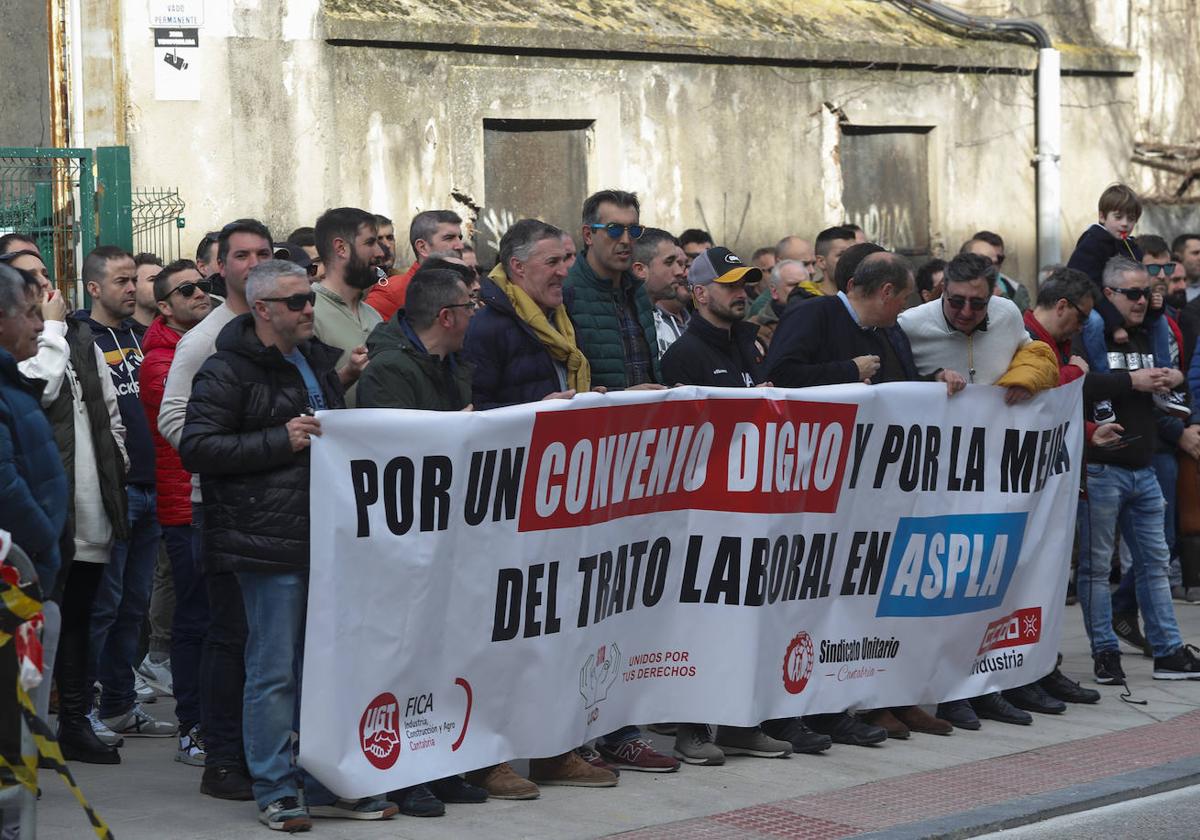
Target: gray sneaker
{"x": 191, "y": 748}
{"x": 694, "y": 745}
{"x": 145, "y": 692}
{"x": 105, "y": 734}
{"x": 137, "y": 722}
{"x": 751, "y": 740}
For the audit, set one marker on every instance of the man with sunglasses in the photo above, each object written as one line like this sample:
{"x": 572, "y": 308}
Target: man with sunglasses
{"x": 613, "y": 316}
{"x": 181, "y": 294}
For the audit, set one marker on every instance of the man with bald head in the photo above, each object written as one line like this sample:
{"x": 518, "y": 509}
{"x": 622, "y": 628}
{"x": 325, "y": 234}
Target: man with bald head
{"x": 791, "y": 249}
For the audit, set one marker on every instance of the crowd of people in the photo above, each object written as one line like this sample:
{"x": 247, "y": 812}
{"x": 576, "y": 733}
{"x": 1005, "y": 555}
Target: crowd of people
{"x": 154, "y": 447}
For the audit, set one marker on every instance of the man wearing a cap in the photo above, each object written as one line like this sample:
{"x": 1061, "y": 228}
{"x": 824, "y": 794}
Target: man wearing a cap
{"x": 717, "y": 348}
{"x": 347, "y": 240}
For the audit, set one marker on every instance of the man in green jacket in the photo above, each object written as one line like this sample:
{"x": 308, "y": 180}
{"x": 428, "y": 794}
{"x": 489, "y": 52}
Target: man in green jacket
{"x": 612, "y": 314}
{"x": 413, "y": 358}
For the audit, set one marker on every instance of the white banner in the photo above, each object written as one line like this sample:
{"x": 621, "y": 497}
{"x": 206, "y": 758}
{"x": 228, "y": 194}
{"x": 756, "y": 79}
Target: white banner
{"x": 511, "y": 583}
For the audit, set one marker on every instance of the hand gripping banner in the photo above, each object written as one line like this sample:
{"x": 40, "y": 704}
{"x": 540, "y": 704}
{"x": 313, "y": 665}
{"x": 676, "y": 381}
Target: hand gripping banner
{"x": 511, "y": 583}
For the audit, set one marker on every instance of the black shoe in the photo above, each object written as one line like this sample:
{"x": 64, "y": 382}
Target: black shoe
{"x": 78, "y": 742}
{"x": 1107, "y": 666}
{"x": 226, "y": 782}
{"x": 417, "y": 801}
{"x": 457, "y": 790}
{"x": 798, "y": 734}
{"x": 1060, "y": 686}
{"x": 959, "y": 713}
{"x": 1033, "y": 698}
{"x": 845, "y": 728}
{"x": 1072, "y": 594}
{"x": 994, "y": 707}
{"x": 1125, "y": 625}
{"x": 1180, "y": 665}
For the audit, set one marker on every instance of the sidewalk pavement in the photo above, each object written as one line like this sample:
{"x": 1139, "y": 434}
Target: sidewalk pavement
{"x": 957, "y": 785}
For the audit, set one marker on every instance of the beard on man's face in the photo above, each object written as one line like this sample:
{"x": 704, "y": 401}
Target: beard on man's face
{"x": 360, "y": 274}
{"x": 1177, "y": 300}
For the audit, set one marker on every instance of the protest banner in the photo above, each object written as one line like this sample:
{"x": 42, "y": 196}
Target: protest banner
{"x": 511, "y": 583}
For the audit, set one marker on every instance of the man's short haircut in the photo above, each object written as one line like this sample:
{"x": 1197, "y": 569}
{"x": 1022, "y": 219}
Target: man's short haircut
{"x": 253, "y": 226}
{"x": 848, "y": 264}
{"x": 827, "y": 237}
{"x": 873, "y": 273}
{"x": 162, "y": 281}
{"x": 12, "y": 290}
{"x": 146, "y": 258}
{"x": 205, "y": 245}
{"x": 591, "y": 207}
{"x": 854, "y": 226}
{"x": 1116, "y": 268}
{"x": 776, "y": 273}
{"x": 761, "y": 252}
{"x": 263, "y": 280}
{"x": 16, "y": 242}
{"x": 439, "y": 262}
{"x": 645, "y": 248}
{"x": 303, "y": 236}
{"x": 518, "y": 241}
{"x": 95, "y": 264}
{"x": 340, "y": 223}
{"x": 1153, "y": 246}
{"x": 967, "y": 267}
{"x": 993, "y": 239}
{"x": 1122, "y": 199}
{"x": 429, "y": 292}
{"x": 381, "y": 220}
{"x": 1064, "y": 283}
{"x": 695, "y": 236}
{"x": 425, "y": 224}
{"x": 925, "y": 274}
{"x": 1180, "y": 242}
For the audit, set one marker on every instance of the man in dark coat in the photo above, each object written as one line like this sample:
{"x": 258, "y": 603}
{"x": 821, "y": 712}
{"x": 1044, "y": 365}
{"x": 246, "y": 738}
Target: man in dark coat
{"x": 249, "y": 426}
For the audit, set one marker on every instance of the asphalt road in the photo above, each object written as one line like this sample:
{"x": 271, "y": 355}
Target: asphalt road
{"x": 1174, "y": 815}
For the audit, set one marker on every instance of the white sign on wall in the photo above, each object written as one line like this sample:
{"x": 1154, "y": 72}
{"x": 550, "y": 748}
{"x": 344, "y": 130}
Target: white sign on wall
{"x": 176, "y": 73}
{"x": 176, "y": 13}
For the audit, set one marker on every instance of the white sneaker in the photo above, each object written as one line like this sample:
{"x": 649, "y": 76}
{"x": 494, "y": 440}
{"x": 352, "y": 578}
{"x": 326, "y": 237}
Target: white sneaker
{"x": 158, "y": 675}
{"x": 137, "y": 722}
{"x": 191, "y": 748}
{"x": 103, "y": 732}
{"x": 145, "y": 693}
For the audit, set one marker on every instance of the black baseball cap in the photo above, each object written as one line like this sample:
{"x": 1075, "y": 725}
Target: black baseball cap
{"x": 720, "y": 265}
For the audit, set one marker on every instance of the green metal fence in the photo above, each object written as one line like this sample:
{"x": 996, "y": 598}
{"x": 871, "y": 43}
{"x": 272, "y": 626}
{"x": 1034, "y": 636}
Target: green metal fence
{"x": 50, "y": 194}
{"x": 157, "y": 222}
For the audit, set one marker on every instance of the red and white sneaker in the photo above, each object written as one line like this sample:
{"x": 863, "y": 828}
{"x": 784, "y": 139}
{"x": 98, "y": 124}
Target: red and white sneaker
{"x": 637, "y": 754}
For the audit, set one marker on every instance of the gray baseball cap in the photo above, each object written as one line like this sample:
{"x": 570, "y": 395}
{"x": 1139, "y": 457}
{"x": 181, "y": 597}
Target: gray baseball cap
{"x": 720, "y": 265}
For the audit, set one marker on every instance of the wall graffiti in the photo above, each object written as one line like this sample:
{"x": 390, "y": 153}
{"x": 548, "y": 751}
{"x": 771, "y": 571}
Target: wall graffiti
{"x": 889, "y": 225}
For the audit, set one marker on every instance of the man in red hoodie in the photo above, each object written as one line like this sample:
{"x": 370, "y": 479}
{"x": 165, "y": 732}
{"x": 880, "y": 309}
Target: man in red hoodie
{"x": 181, "y": 294}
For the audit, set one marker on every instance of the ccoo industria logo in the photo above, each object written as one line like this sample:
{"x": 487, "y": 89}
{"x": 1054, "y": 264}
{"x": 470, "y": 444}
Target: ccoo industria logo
{"x": 950, "y": 565}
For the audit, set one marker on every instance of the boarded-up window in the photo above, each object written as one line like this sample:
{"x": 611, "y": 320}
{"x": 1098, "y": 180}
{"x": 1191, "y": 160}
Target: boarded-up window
{"x": 885, "y": 185}
{"x": 531, "y": 169}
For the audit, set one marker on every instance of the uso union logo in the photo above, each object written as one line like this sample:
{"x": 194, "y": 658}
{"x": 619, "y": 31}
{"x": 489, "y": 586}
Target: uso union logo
{"x": 797, "y": 663}
{"x": 379, "y": 731}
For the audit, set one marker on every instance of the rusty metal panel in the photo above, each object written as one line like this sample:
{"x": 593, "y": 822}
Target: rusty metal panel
{"x": 531, "y": 169}
{"x": 885, "y": 185}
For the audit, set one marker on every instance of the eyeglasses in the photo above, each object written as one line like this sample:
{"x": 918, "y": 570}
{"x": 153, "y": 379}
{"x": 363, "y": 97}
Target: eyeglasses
{"x": 616, "y": 231}
{"x": 999, "y": 261}
{"x": 296, "y": 302}
{"x": 1134, "y": 294}
{"x": 1166, "y": 269}
{"x": 188, "y": 289}
{"x": 470, "y": 306}
{"x": 1082, "y": 316}
{"x": 958, "y": 302}
{"x": 312, "y": 268}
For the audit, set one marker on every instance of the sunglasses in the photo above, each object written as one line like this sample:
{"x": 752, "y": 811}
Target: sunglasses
{"x": 471, "y": 305}
{"x": 616, "y": 231}
{"x": 296, "y": 302}
{"x": 1166, "y": 269}
{"x": 958, "y": 302}
{"x": 1134, "y": 294}
{"x": 312, "y": 268}
{"x": 189, "y": 289}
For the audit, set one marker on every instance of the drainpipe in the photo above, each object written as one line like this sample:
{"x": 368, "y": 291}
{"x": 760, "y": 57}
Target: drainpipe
{"x": 1049, "y": 115}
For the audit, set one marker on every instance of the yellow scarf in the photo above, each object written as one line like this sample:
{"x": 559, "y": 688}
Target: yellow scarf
{"x": 559, "y": 340}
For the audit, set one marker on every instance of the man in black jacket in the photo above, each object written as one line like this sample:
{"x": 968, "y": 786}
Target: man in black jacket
{"x": 717, "y": 348}
{"x": 249, "y": 426}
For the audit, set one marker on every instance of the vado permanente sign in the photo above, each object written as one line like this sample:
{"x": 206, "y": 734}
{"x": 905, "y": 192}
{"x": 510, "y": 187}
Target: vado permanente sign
{"x": 510, "y": 583}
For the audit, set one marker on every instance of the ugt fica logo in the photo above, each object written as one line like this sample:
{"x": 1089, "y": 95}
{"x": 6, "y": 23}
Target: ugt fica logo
{"x": 379, "y": 731}
{"x": 598, "y": 673}
{"x": 798, "y": 663}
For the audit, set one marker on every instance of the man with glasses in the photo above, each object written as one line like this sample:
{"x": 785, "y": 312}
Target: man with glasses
{"x": 1122, "y": 488}
{"x": 990, "y": 245}
{"x": 348, "y": 242}
{"x": 181, "y": 294}
{"x": 249, "y": 426}
{"x": 613, "y": 316}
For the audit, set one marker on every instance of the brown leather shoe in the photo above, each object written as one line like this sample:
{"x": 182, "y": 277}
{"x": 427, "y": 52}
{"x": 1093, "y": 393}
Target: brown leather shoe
{"x": 919, "y": 720}
{"x": 502, "y": 782}
{"x": 571, "y": 770}
{"x": 885, "y": 718}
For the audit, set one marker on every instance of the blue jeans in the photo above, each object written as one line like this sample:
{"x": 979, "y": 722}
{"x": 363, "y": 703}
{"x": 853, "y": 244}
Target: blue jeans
{"x": 122, "y": 601}
{"x": 276, "y": 604}
{"x": 189, "y": 624}
{"x": 1166, "y": 469}
{"x": 1133, "y": 500}
{"x": 1096, "y": 346}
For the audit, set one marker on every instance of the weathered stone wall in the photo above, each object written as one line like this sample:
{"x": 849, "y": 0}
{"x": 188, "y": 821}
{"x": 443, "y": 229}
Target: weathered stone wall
{"x": 24, "y": 74}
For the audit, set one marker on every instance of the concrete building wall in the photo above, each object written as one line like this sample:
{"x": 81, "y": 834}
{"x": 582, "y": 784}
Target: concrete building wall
{"x": 24, "y": 74}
